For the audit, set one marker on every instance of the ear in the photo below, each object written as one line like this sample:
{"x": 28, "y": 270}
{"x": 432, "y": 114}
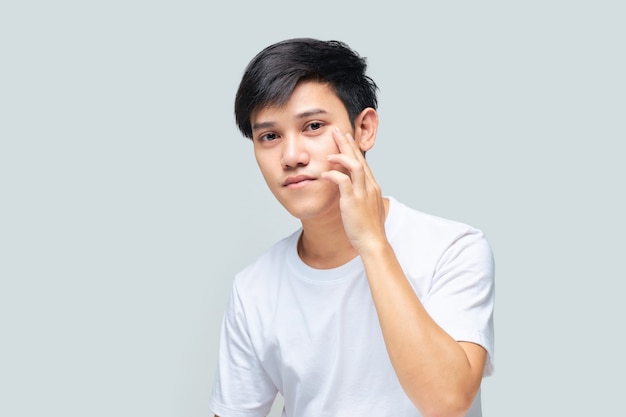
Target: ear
{"x": 365, "y": 128}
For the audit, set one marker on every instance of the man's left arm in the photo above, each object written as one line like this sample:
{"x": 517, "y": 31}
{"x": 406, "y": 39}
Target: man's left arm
{"x": 440, "y": 375}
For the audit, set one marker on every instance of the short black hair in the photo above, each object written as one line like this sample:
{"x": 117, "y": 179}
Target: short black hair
{"x": 273, "y": 74}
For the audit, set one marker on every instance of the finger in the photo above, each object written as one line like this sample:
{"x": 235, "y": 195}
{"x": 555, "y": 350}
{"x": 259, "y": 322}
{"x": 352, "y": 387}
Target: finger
{"x": 345, "y": 143}
{"x": 354, "y": 169}
{"x": 358, "y": 155}
{"x": 367, "y": 172}
{"x": 342, "y": 180}
{"x": 353, "y": 159}
{"x": 362, "y": 177}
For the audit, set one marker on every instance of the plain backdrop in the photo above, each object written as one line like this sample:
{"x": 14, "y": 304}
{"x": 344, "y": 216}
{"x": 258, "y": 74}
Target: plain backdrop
{"x": 129, "y": 200}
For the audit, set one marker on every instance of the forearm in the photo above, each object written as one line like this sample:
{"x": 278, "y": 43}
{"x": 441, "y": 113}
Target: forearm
{"x": 433, "y": 368}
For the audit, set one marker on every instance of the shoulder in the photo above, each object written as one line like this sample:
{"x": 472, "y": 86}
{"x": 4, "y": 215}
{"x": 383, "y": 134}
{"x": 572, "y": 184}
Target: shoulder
{"x": 430, "y": 234}
{"x": 433, "y": 250}
{"x": 265, "y": 269}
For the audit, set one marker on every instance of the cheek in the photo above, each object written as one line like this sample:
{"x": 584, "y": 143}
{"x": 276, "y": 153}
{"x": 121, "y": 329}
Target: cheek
{"x": 265, "y": 168}
{"x": 265, "y": 158}
{"x": 338, "y": 167}
{"x": 324, "y": 146}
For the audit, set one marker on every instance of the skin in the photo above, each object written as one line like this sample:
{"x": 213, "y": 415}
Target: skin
{"x": 313, "y": 161}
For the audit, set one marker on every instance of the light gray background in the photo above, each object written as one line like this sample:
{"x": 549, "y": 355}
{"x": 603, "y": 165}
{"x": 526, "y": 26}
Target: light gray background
{"x": 129, "y": 199}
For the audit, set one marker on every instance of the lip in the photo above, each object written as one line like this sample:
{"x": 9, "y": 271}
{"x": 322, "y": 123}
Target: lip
{"x": 297, "y": 180}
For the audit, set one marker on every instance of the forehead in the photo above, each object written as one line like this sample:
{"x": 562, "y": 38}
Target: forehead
{"x": 308, "y": 96}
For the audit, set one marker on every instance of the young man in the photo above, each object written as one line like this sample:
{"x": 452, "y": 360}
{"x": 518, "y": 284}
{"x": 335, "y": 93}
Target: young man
{"x": 370, "y": 308}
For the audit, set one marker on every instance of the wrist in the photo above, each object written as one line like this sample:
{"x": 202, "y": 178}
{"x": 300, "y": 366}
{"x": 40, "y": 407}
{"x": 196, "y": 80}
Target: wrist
{"x": 374, "y": 248}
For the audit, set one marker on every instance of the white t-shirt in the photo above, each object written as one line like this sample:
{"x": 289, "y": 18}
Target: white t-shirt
{"x": 313, "y": 335}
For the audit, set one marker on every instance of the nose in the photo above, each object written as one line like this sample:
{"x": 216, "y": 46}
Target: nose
{"x": 294, "y": 152}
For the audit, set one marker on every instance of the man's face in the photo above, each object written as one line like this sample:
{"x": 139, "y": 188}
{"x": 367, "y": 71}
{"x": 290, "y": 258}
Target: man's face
{"x": 291, "y": 145}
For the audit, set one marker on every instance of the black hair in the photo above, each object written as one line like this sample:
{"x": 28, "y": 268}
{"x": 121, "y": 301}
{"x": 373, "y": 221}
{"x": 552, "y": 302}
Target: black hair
{"x": 273, "y": 74}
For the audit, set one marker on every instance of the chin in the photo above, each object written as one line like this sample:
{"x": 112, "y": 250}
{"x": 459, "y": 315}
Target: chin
{"x": 307, "y": 209}
{"x": 309, "y": 204}
{"x": 303, "y": 212}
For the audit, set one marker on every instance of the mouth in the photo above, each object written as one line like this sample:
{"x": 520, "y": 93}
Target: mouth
{"x": 297, "y": 181}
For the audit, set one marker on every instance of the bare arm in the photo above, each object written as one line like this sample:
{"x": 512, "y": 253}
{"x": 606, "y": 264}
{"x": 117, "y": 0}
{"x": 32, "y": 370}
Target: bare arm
{"x": 440, "y": 375}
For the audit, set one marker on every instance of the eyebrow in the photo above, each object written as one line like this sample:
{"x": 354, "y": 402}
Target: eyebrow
{"x": 303, "y": 115}
{"x": 310, "y": 113}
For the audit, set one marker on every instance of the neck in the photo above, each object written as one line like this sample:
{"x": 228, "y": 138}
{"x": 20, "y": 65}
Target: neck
{"x": 324, "y": 244}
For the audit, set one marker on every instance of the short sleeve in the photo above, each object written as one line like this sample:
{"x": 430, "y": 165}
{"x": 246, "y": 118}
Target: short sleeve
{"x": 462, "y": 295}
{"x": 242, "y": 388}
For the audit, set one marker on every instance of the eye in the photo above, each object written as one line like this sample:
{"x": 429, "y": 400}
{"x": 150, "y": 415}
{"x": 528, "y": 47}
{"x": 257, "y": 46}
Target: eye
{"x": 314, "y": 126}
{"x": 268, "y": 137}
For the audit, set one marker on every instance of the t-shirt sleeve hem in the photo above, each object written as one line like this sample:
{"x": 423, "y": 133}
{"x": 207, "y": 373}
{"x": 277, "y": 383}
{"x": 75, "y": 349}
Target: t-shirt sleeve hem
{"x": 223, "y": 411}
{"x": 482, "y": 340}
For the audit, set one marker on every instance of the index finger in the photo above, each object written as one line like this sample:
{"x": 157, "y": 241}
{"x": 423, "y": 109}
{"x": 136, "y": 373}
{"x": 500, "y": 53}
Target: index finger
{"x": 346, "y": 143}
